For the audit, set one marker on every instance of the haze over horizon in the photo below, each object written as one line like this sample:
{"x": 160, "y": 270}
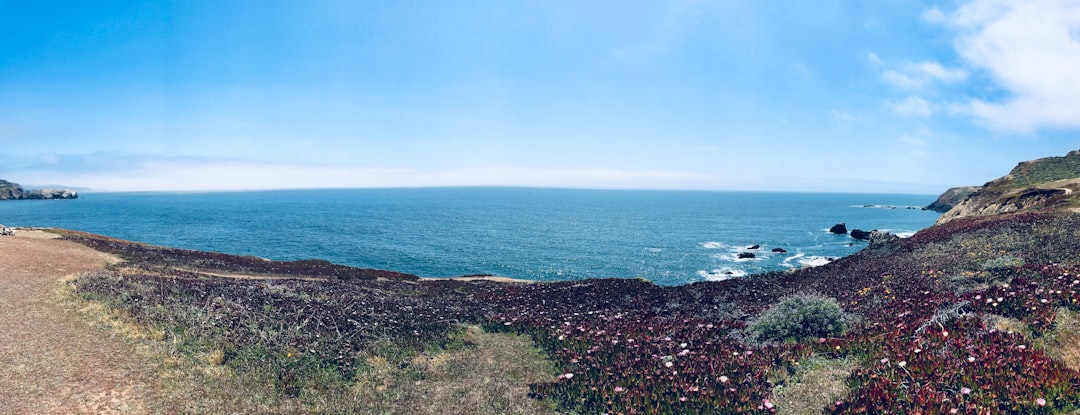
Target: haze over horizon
{"x": 840, "y": 96}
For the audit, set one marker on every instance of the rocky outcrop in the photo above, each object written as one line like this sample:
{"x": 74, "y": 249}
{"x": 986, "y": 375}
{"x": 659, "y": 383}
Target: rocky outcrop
{"x": 880, "y": 239}
{"x": 951, "y": 198}
{"x": 839, "y": 229}
{"x": 1048, "y": 183}
{"x": 860, "y": 234}
{"x": 746, "y": 255}
{"x": 9, "y": 190}
{"x": 4, "y": 230}
{"x": 779, "y": 250}
{"x": 13, "y": 191}
{"x": 51, "y": 194}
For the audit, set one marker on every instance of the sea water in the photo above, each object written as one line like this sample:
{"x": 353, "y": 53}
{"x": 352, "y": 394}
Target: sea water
{"x": 669, "y": 237}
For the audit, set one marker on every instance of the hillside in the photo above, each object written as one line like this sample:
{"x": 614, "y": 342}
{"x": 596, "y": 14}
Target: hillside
{"x": 983, "y": 304}
{"x": 1047, "y": 183}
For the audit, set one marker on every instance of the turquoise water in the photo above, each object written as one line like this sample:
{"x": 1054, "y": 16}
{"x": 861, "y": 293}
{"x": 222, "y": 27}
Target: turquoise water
{"x": 544, "y": 234}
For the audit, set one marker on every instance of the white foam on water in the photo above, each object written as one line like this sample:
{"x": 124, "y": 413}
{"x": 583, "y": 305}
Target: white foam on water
{"x": 713, "y": 245}
{"x": 721, "y": 274}
{"x": 654, "y": 250}
{"x": 788, "y": 261}
{"x": 814, "y": 261}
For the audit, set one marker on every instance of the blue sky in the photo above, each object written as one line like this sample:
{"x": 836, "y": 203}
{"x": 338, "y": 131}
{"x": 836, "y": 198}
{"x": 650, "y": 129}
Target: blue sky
{"x": 836, "y": 96}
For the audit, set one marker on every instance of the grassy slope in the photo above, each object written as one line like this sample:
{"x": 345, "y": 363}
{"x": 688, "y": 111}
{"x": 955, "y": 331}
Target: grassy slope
{"x": 928, "y": 301}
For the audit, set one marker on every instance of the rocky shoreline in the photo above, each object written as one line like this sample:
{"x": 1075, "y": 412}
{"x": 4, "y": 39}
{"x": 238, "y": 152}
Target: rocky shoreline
{"x": 14, "y": 191}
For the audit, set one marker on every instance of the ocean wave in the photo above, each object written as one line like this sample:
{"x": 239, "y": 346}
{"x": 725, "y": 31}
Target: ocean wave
{"x": 713, "y": 245}
{"x": 899, "y": 232}
{"x": 654, "y": 250}
{"x": 801, "y": 260}
{"x": 721, "y": 274}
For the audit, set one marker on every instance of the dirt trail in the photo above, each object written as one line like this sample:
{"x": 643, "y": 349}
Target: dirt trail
{"x": 52, "y": 361}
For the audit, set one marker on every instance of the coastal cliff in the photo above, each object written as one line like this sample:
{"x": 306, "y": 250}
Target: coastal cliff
{"x": 1047, "y": 183}
{"x": 14, "y": 191}
{"x": 951, "y": 198}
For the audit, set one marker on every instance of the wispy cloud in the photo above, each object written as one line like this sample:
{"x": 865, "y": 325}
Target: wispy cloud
{"x": 1032, "y": 50}
{"x": 921, "y": 74}
{"x": 913, "y": 105}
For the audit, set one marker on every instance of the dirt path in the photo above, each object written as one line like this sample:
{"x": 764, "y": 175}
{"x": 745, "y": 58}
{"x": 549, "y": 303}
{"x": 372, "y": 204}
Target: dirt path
{"x": 52, "y": 361}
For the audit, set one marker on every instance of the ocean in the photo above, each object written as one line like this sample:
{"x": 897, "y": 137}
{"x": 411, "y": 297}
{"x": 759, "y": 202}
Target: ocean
{"x": 668, "y": 237}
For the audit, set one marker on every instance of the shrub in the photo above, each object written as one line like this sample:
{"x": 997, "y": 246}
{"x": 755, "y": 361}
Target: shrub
{"x": 799, "y": 317}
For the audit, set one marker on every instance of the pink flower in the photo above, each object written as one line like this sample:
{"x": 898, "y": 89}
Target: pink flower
{"x": 953, "y": 411}
{"x": 884, "y": 360}
{"x": 965, "y": 391}
{"x": 668, "y": 364}
{"x": 567, "y": 376}
{"x": 767, "y": 404}
{"x": 945, "y": 333}
{"x": 971, "y": 359}
{"x": 619, "y": 389}
{"x": 682, "y": 399}
{"x": 1041, "y": 402}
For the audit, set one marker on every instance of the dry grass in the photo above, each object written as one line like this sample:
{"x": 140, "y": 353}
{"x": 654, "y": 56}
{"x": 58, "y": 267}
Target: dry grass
{"x": 816, "y": 384}
{"x": 488, "y": 376}
{"x": 1063, "y": 342}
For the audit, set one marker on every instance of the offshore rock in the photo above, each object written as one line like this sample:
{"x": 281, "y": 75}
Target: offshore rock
{"x": 747, "y": 255}
{"x": 860, "y": 234}
{"x": 839, "y": 229}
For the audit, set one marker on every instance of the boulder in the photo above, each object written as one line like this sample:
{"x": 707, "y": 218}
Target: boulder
{"x": 879, "y": 239}
{"x": 747, "y": 255}
{"x": 860, "y": 234}
{"x": 839, "y": 229}
{"x": 779, "y": 250}
{"x": 754, "y": 247}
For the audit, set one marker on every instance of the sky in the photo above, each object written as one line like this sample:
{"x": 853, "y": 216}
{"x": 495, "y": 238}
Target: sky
{"x": 884, "y": 96}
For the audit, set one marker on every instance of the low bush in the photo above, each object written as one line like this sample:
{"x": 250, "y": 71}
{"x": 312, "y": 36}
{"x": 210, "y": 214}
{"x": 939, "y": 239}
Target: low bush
{"x": 799, "y": 317}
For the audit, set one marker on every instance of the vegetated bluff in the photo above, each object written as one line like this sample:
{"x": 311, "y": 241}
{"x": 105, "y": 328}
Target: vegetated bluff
{"x": 1044, "y": 183}
{"x": 14, "y": 191}
{"x": 977, "y": 315}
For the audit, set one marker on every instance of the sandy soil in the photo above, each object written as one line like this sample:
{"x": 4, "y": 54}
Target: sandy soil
{"x": 51, "y": 360}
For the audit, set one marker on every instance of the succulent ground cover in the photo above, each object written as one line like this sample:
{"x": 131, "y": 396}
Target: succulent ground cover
{"x": 922, "y": 333}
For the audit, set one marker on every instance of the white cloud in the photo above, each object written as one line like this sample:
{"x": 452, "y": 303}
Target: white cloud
{"x": 934, "y": 70}
{"x": 913, "y": 105}
{"x": 875, "y": 59}
{"x": 1032, "y": 50}
{"x": 933, "y": 15}
{"x": 919, "y": 75}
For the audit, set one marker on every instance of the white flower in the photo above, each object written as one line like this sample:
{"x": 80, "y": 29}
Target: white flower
{"x": 723, "y": 379}
{"x": 668, "y": 364}
{"x": 971, "y": 359}
{"x": 902, "y": 363}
